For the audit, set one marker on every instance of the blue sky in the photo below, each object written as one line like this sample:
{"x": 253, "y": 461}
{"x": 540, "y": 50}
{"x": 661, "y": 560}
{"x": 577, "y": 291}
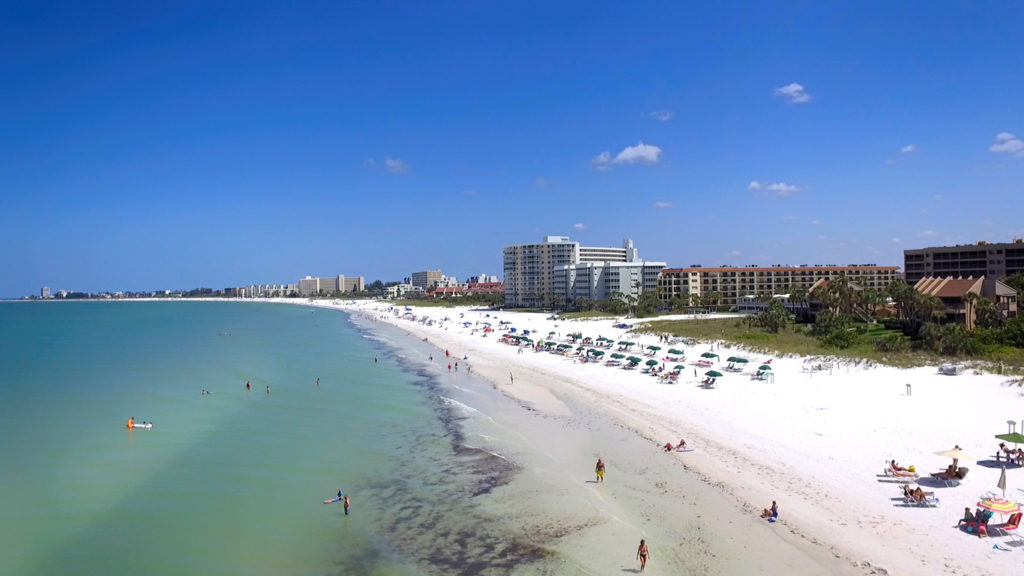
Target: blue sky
{"x": 146, "y": 146}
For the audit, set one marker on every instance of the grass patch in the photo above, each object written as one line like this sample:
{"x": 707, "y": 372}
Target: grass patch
{"x": 586, "y": 314}
{"x": 795, "y": 341}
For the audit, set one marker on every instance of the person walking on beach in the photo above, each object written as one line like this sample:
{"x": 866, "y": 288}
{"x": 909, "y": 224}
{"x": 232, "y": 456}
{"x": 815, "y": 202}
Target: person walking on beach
{"x": 642, "y": 553}
{"x": 347, "y": 504}
{"x": 511, "y": 380}
{"x": 599, "y": 470}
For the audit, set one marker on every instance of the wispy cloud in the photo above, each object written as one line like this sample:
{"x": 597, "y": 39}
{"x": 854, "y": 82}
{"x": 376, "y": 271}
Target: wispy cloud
{"x": 821, "y": 236}
{"x": 896, "y": 240}
{"x": 579, "y": 226}
{"x": 815, "y": 222}
{"x": 1009, "y": 144}
{"x": 927, "y": 233}
{"x": 540, "y": 181}
{"x": 661, "y": 204}
{"x": 734, "y": 253}
{"x": 777, "y": 188}
{"x": 639, "y": 154}
{"x": 908, "y": 149}
{"x": 396, "y": 165}
{"x": 661, "y": 115}
{"x": 793, "y": 93}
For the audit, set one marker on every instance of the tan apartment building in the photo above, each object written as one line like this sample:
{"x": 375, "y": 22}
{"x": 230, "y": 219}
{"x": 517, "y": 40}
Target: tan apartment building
{"x": 426, "y": 279}
{"x": 310, "y": 286}
{"x": 972, "y": 260}
{"x": 733, "y": 283}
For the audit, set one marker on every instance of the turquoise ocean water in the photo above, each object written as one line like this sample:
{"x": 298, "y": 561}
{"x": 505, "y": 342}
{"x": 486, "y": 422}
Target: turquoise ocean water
{"x": 232, "y": 482}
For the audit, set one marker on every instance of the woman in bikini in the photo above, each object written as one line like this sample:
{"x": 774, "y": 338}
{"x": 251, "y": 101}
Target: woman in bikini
{"x": 642, "y": 553}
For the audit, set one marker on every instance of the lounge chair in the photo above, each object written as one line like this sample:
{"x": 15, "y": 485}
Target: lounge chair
{"x": 930, "y": 500}
{"x": 1007, "y": 527}
{"x": 954, "y": 480}
{"x": 901, "y": 475}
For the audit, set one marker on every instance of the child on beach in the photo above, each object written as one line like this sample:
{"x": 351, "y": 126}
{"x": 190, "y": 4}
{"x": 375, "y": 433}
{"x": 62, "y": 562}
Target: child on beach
{"x": 771, "y": 513}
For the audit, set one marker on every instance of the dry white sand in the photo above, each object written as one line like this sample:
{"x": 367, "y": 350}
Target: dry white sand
{"x": 815, "y": 442}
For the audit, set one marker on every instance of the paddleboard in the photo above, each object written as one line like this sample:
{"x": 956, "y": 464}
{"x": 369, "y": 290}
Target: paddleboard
{"x": 333, "y": 500}
{"x": 145, "y": 426}
{"x": 684, "y": 449}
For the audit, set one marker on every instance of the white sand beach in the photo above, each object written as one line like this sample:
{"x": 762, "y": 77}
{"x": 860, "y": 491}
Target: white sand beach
{"x": 816, "y": 442}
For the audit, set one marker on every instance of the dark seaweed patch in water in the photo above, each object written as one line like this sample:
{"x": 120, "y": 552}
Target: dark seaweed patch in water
{"x": 431, "y": 516}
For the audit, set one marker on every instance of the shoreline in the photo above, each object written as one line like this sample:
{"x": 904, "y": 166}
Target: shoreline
{"x": 816, "y": 442}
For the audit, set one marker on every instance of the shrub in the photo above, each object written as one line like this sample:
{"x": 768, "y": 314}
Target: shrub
{"x": 891, "y": 343}
{"x": 841, "y": 338}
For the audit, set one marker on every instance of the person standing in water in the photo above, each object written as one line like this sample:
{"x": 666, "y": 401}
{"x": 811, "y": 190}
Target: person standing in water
{"x": 268, "y": 389}
{"x": 248, "y": 385}
{"x": 642, "y": 553}
{"x": 131, "y": 423}
{"x": 347, "y": 504}
{"x": 317, "y": 382}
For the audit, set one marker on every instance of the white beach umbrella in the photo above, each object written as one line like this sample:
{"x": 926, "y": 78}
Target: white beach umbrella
{"x": 1002, "y": 481}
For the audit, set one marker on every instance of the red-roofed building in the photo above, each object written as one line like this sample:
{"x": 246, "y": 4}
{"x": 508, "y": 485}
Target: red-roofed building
{"x": 953, "y": 293}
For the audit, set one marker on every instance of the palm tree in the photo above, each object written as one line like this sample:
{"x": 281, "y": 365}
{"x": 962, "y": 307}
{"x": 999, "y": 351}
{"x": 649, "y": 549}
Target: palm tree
{"x": 970, "y": 306}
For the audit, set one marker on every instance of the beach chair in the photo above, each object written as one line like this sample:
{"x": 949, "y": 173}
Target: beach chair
{"x": 900, "y": 475}
{"x": 928, "y": 502}
{"x": 1006, "y": 528}
{"x": 953, "y": 481}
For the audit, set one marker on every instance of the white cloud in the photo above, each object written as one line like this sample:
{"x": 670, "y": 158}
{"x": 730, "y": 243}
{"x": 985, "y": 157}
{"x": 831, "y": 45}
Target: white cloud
{"x": 821, "y": 236}
{"x": 794, "y": 92}
{"x": 1008, "y": 143}
{"x": 661, "y": 115}
{"x": 579, "y": 226}
{"x": 928, "y": 233}
{"x": 815, "y": 222}
{"x": 661, "y": 204}
{"x": 396, "y": 165}
{"x": 778, "y": 188}
{"x": 639, "y": 154}
{"x": 540, "y": 181}
{"x": 908, "y": 149}
{"x": 897, "y": 240}
{"x": 938, "y": 197}
{"x": 735, "y": 253}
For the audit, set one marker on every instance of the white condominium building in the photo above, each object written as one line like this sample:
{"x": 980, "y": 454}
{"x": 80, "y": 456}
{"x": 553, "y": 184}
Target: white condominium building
{"x": 529, "y": 268}
{"x": 604, "y": 280}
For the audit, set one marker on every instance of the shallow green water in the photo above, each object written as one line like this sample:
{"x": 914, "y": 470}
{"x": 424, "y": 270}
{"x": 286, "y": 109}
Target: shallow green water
{"x": 230, "y": 483}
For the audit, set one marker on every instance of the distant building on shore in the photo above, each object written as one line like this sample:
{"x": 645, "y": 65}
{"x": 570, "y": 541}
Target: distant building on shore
{"x": 482, "y": 279}
{"x": 529, "y": 268}
{"x": 953, "y": 292}
{"x": 310, "y": 286}
{"x": 44, "y": 293}
{"x": 604, "y": 280}
{"x": 403, "y": 291}
{"x": 734, "y": 285}
{"x": 972, "y": 260}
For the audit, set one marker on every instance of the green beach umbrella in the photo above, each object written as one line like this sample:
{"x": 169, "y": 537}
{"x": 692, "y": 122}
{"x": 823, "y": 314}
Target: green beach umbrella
{"x": 618, "y": 356}
{"x": 674, "y": 351}
{"x": 651, "y": 362}
{"x": 740, "y": 360}
{"x": 581, "y": 348}
{"x": 676, "y": 336}
{"x": 634, "y": 359}
{"x": 1015, "y": 437}
{"x": 679, "y": 367}
{"x": 764, "y": 367}
{"x": 713, "y": 374}
{"x": 731, "y": 359}
{"x": 597, "y": 352}
{"x": 709, "y": 355}
{"x": 655, "y": 348}
{"x": 628, "y": 343}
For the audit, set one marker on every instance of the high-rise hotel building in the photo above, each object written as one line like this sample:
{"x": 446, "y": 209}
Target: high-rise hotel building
{"x": 970, "y": 261}
{"x": 529, "y": 268}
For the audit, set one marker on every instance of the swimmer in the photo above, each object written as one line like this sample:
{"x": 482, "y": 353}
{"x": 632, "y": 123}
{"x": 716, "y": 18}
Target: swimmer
{"x": 131, "y": 422}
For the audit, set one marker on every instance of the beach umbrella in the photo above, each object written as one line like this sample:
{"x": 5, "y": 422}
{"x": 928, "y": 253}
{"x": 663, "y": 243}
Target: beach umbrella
{"x": 627, "y": 344}
{"x": 1016, "y": 438}
{"x": 956, "y": 454}
{"x": 634, "y": 359}
{"x": 655, "y": 348}
{"x": 1001, "y": 505}
{"x": 713, "y": 374}
{"x": 674, "y": 351}
{"x": 581, "y": 348}
{"x": 618, "y": 356}
{"x": 764, "y": 367}
{"x": 651, "y": 363}
{"x": 709, "y": 355}
{"x": 1002, "y": 481}
{"x": 597, "y": 352}
{"x": 679, "y": 367}
{"x": 739, "y": 360}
